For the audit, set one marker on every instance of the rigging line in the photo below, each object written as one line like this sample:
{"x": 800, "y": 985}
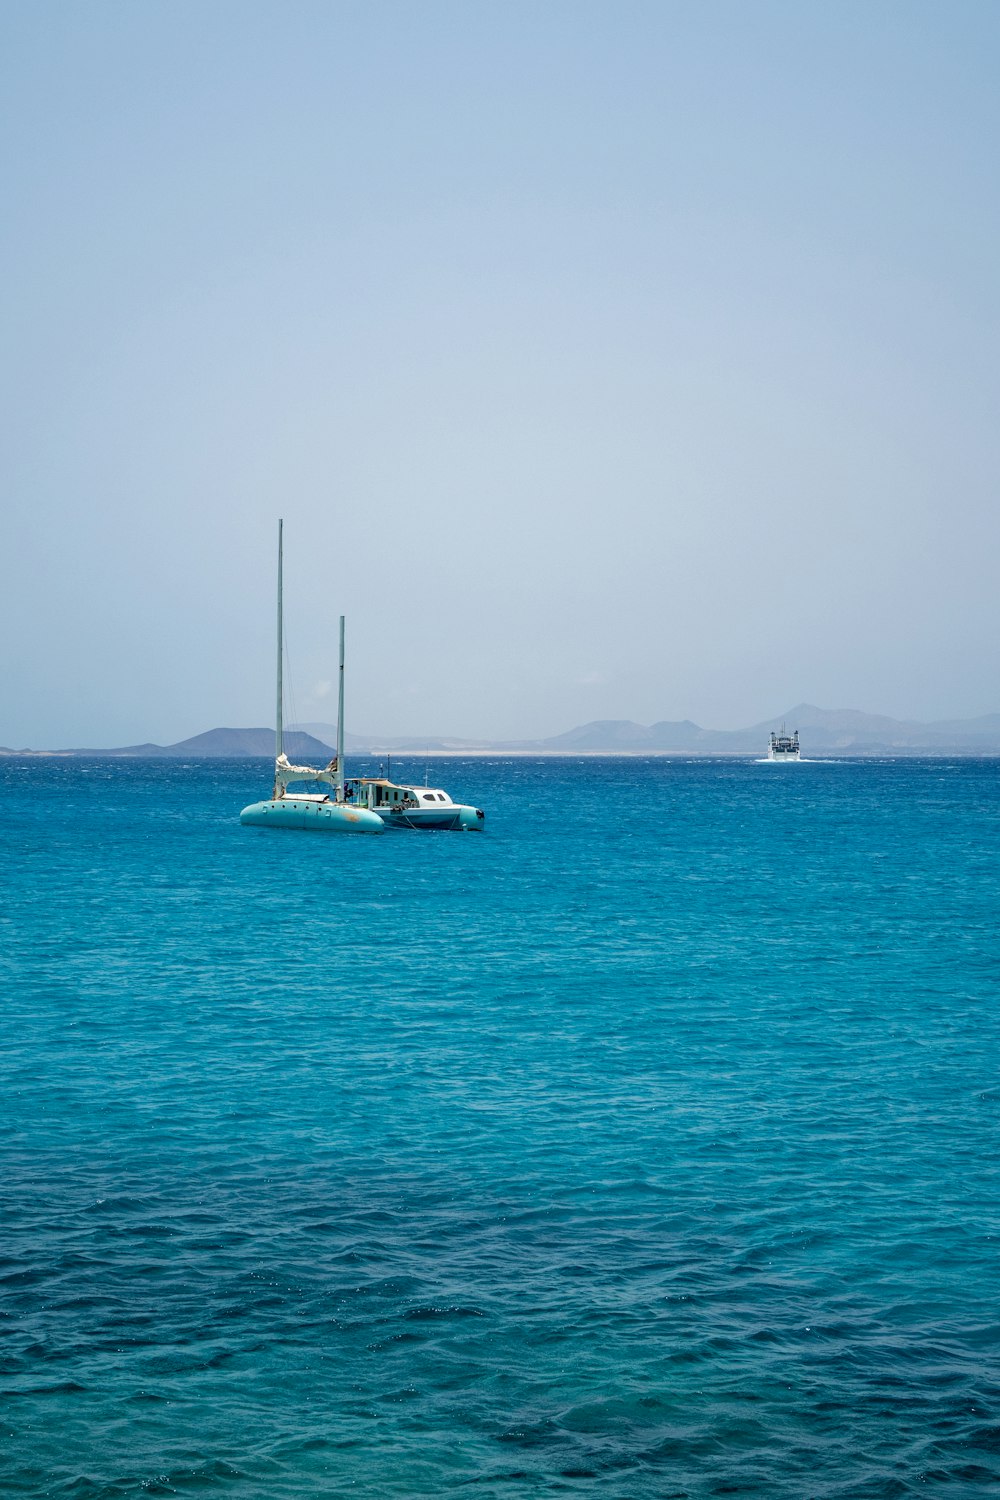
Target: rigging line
{"x": 289, "y": 683}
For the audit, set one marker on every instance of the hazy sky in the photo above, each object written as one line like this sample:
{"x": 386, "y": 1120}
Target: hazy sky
{"x": 622, "y": 360}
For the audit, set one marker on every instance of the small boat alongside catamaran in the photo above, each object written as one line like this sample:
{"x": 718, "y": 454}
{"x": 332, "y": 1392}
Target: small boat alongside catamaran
{"x": 412, "y": 806}
{"x": 361, "y": 805}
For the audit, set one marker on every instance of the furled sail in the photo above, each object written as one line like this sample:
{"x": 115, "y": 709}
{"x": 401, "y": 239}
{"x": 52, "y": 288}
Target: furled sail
{"x": 285, "y": 773}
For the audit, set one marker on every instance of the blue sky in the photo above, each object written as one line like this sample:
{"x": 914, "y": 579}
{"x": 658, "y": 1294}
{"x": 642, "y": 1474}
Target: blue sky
{"x": 604, "y": 361}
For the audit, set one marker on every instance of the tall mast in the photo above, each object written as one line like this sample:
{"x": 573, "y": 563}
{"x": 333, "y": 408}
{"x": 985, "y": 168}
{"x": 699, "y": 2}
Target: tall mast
{"x": 278, "y": 738}
{"x": 340, "y": 719}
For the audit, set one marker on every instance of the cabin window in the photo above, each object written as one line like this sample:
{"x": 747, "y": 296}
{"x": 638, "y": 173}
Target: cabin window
{"x": 428, "y": 796}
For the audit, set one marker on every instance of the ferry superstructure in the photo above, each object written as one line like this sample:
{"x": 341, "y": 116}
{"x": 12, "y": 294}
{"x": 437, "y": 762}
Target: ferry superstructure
{"x": 784, "y": 746}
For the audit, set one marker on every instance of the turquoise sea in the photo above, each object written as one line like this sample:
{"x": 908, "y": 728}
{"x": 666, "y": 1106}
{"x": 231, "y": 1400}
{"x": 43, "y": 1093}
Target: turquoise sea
{"x": 645, "y": 1146}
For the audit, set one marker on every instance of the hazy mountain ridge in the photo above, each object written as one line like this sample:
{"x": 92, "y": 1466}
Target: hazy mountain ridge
{"x": 846, "y": 731}
{"x": 226, "y": 744}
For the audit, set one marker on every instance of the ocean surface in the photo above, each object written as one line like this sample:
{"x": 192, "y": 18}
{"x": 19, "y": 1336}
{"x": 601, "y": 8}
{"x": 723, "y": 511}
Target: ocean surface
{"x": 645, "y": 1146}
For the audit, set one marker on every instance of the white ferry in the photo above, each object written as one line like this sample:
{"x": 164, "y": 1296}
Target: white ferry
{"x": 784, "y": 746}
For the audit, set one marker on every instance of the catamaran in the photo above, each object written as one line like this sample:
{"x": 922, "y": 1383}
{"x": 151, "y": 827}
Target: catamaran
{"x": 317, "y": 812}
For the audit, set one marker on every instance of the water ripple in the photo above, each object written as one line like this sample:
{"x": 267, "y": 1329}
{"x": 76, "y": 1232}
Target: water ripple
{"x": 634, "y": 1159}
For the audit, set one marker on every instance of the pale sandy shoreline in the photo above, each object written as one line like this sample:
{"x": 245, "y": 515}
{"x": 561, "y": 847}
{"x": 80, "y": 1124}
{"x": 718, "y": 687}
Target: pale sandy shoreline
{"x": 819, "y": 755}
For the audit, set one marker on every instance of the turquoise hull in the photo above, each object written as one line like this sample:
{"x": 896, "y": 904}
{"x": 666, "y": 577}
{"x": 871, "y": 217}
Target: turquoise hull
{"x": 313, "y": 817}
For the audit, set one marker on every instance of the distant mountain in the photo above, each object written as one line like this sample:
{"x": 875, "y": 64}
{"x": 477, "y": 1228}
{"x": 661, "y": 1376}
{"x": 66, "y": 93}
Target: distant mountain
{"x": 327, "y": 734}
{"x": 624, "y": 734}
{"x": 823, "y": 731}
{"x": 231, "y": 744}
{"x": 848, "y": 731}
{"x": 845, "y": 731}
{"x": 364, "y": 744}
